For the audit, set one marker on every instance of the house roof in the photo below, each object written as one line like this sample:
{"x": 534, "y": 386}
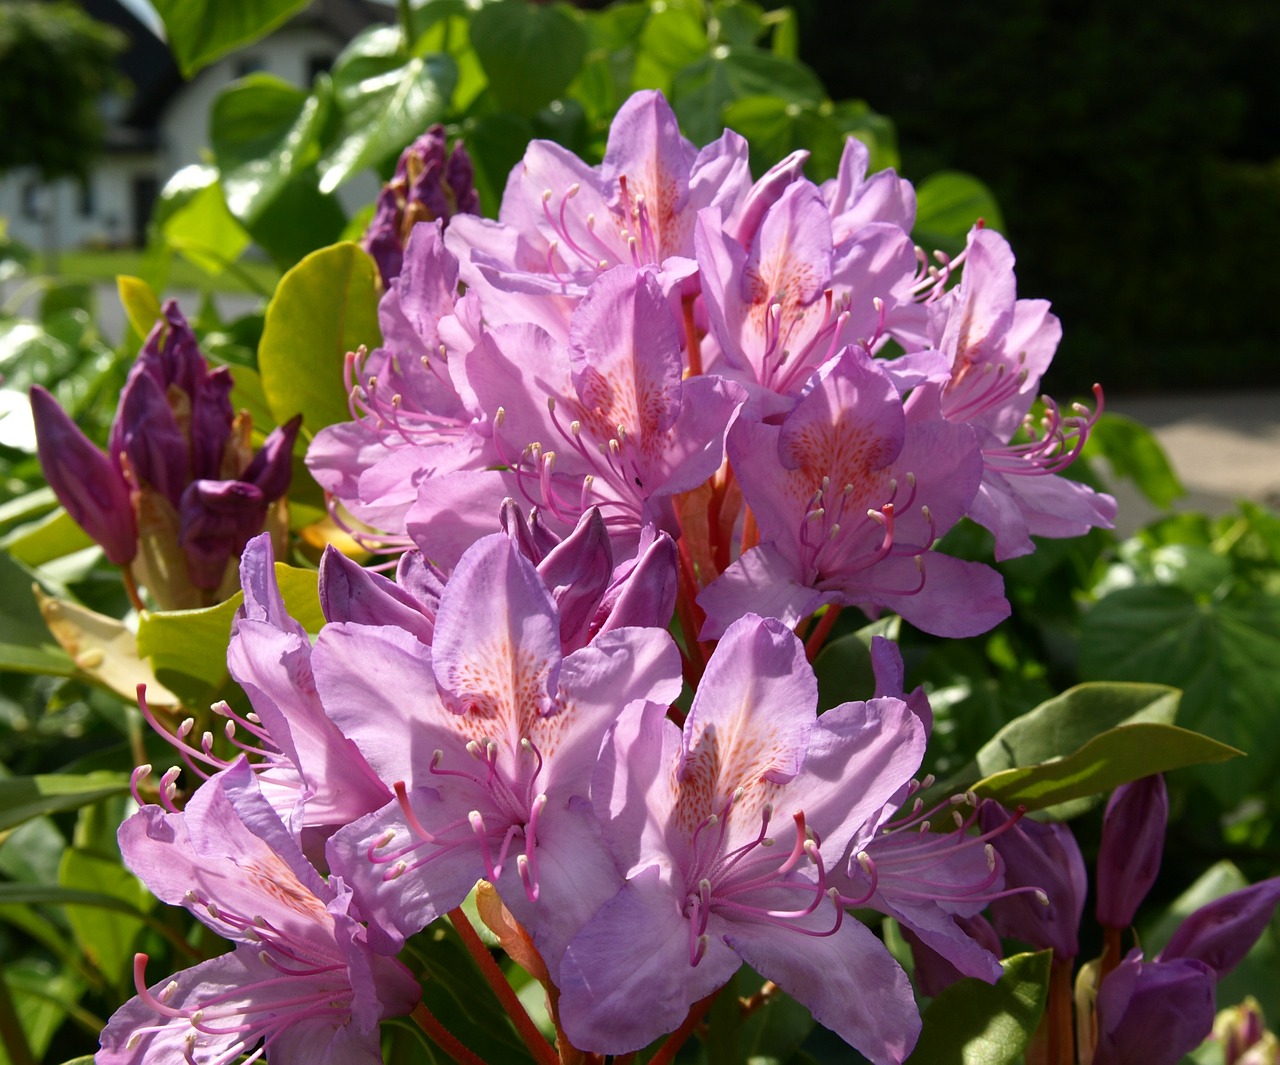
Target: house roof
{"x": 152, "y": 74}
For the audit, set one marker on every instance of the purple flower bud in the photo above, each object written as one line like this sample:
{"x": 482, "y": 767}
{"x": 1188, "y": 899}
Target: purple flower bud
{"x": 1132, "y": 845}
{"x": 420, "y": 577}
{"x": 1221, "y": 933}
{"x": 147, "y": 434}
{"x": 84, "y": 479}
{"x": 1153, "y": 1012}
{"x": 171, "y": 354}
{"x": 272, "y": 467}
{"x": 577, "y": 572}
{"x": 349, "y": 592}
{"x": 643, "y": 590}
{"x": 430, "y": 183}
{"x": 1242, "y": 1031}
{"x": 218, "y": 519}
{"x": 1044, "y": 856}
{"x": 211, "y": 420}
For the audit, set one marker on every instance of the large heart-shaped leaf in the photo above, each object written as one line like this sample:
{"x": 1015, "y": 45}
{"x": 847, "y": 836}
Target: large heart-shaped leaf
{"x": 1224, "y": 654}
{"x": 199, "y": 31}
{"x": 529, "y": 52}
{"x": 386, "y": 99}
{"x": 323, "y": 308}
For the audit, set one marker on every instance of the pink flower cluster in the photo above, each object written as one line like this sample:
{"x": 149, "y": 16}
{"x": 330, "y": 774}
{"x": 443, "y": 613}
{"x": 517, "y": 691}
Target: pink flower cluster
{"x": 678, "y": 390}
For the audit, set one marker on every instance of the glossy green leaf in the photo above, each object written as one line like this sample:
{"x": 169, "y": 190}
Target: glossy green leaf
{"x": 386, "y": 100}
{"x": 1062, "y": 725}
{"x": 323, "y": 308}
{"x": 529, "y": 52}
{"x": 264, "y": 131}
{"x": 199, "y": 31}
{"x": 1115, "y": 757}
{"x": 775, "y": 127}
{"x": 701, "y": 93}
{"x": 22, "y": 798}
{"x": 197, "y": 223}
{"x": 948, "y": 205}
{"x": 976, "y": 1023}
{"x": 53, "y": 536}
{"x": 1224, "y": 654}
{"x": 1132, "y": 452}
{"x": 188, "y": 649}
{"x": 301, "y": 219}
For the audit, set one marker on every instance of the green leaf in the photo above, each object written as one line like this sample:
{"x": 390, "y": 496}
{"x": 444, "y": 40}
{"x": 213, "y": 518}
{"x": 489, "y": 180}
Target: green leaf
{"x": 264, "y": 132}
{"x": 701, "y": 93}
{"x": 199, "y": 31}
{"x": 22, "y": 798}
{"x": 1116, "y": 757}
{"x": 323, "y": 308}
{"x": 775, "y": 127}
{"x": 386, "y": 100}
{"x": 1224, "y": 654}
{"x": 948, "y": 204}
{"x": 104, "y": 933}
{"x": 1060, "y": 726}
{"x": 975, "y": 1023}
{"x": 53, "y": 536}
{"x": 26, "y": 645}
{"x": 188, "y": 649}
{"x": 843, "y": 666}
{"x": 529, "y": 52}
{"x": 42, "y": 997}
{"x": 1132, "y": 452}
{"x": 140, "y": 302}
{"x": 195, "y": 220}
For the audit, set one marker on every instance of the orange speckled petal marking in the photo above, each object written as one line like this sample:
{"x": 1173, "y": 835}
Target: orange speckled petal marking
{"x": 749, "y": 724}
{"x": 497, "y": 641}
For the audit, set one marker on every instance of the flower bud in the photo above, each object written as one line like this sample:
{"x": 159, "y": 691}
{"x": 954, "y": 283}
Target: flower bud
{"x": 1153, "y": 1012}
{"x": 1132, "y": 845}
{"x": 84, "y": 479}
{"x": 1222, "y": 932}
{"x": 1243, "y": 1034}
{"x": 430, "y": 183}
{"x": 217, "y": 519}
{"x": 1044, "y": 856}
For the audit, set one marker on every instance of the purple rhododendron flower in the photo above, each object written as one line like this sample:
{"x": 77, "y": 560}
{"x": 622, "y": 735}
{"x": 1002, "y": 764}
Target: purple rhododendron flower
{"x": 489, "y": 738}
{"x": 998, "y": 347}
{"x": 850, "y": 491}
{"x": 301, "y": 981}
{"x": 693, "y": 816}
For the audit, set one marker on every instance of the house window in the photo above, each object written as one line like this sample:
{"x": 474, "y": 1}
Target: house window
{"x": 87, "y": 205}
{"x": 249, "y": 64}
{"x": 318, "y": 64}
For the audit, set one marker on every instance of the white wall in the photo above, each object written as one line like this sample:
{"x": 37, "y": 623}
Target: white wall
{"x": 183, "y": 135}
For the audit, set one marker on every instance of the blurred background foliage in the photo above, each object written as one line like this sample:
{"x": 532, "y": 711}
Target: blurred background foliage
{"x": 1134, "y": 148}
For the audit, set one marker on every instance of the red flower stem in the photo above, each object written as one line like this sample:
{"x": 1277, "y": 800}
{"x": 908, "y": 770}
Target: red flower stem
{"x": 1054, "y": 1041}
{"x": 1112, "y": 951}
{"x": 820, "y": 633}
{"x": 442, "y": 1037}
{"x": 667, "y": 1052}
{"x": 131, "y": 588}
{"x": 497, "y": 979}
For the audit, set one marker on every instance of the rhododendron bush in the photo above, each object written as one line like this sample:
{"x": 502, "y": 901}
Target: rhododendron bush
{"x": 514, "y": 631}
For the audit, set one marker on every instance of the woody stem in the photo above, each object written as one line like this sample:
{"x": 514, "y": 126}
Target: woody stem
{"x": 497, "y": 979}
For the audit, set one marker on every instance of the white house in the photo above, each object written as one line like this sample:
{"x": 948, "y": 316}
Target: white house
{"x": 164, "y": 125}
